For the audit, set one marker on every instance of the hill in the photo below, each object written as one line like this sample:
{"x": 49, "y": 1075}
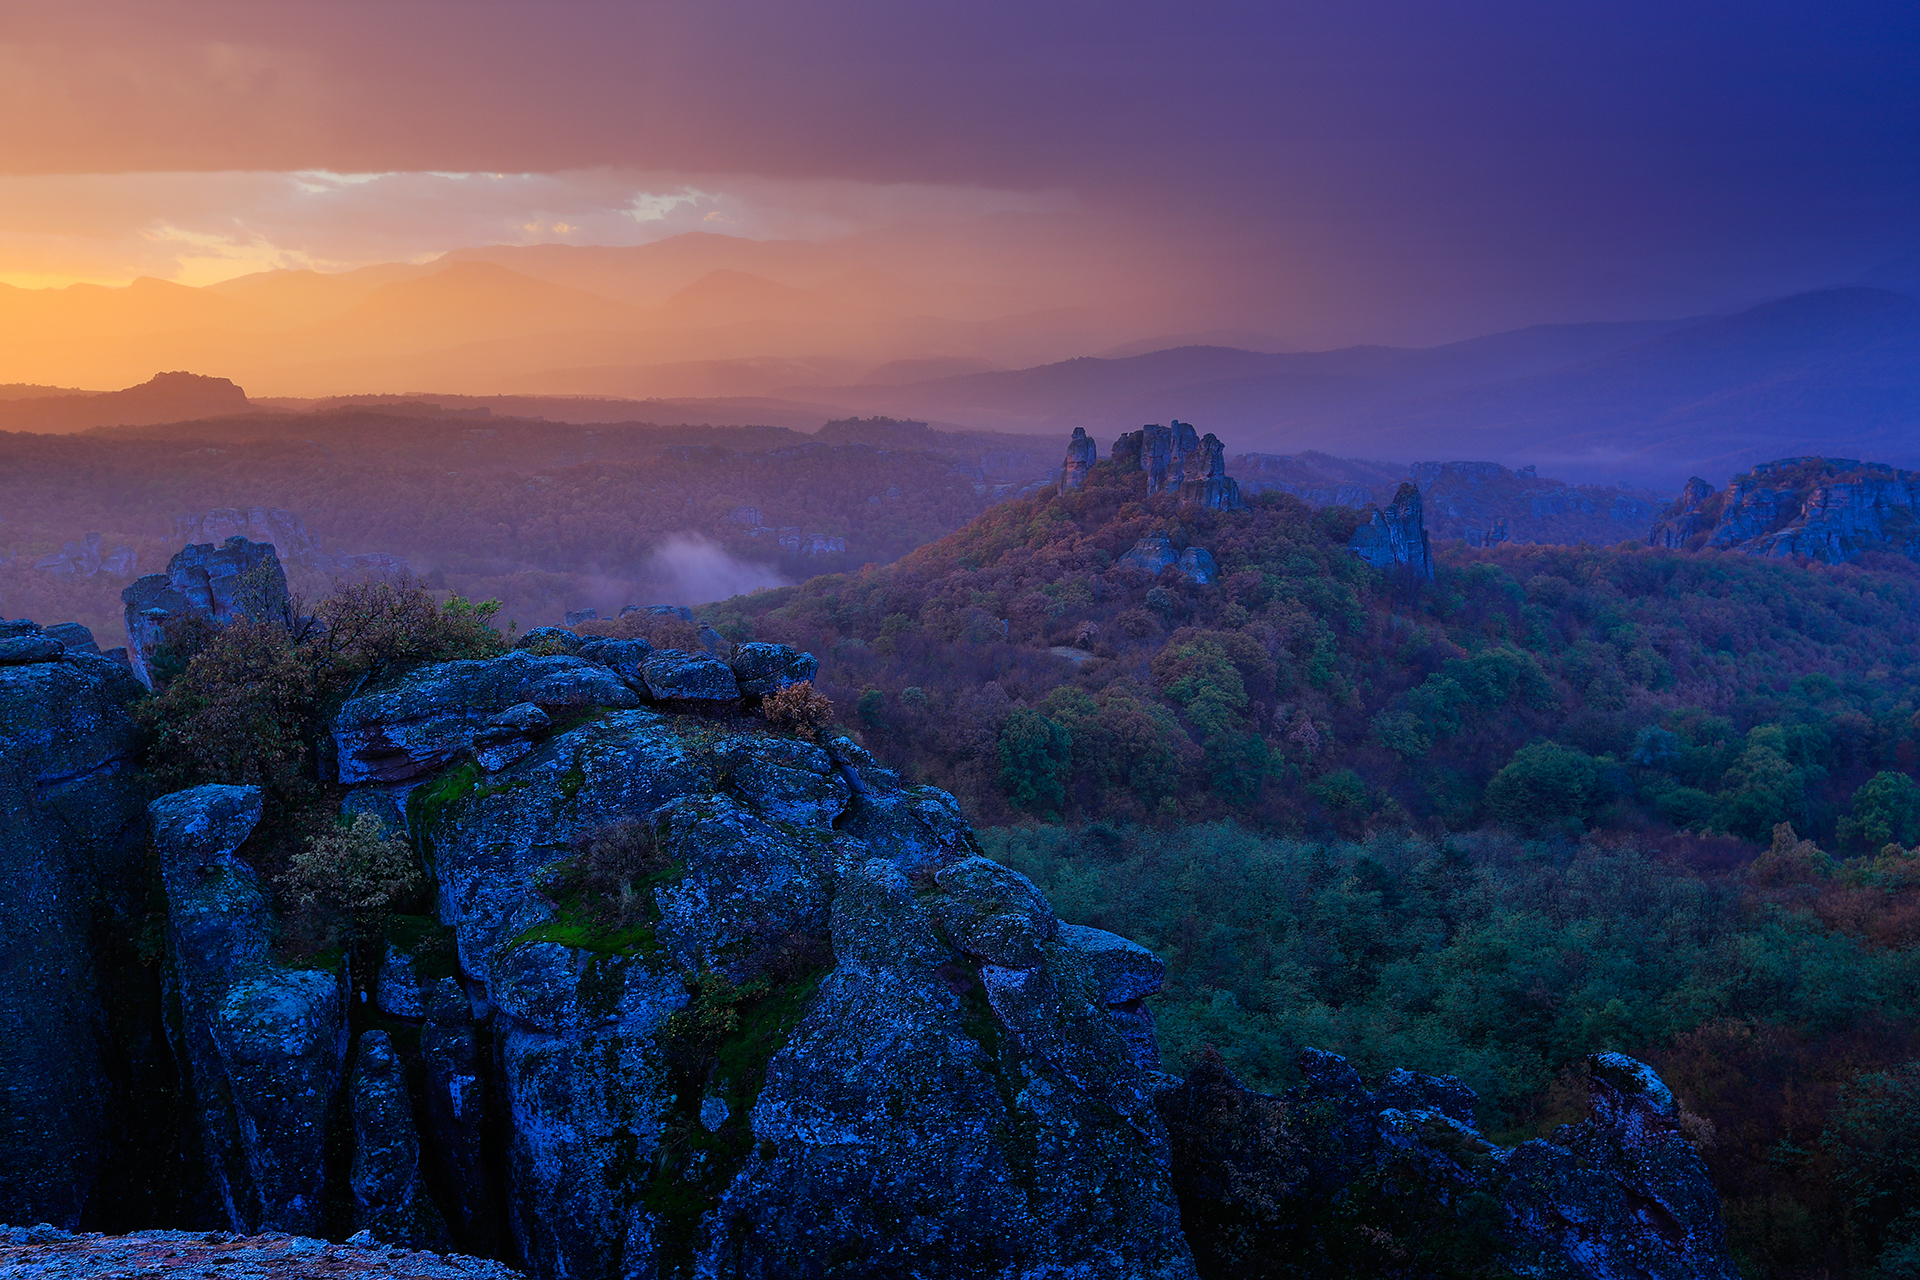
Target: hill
{"x": 165, "y": 397}
{"x": 1062, "y": 657}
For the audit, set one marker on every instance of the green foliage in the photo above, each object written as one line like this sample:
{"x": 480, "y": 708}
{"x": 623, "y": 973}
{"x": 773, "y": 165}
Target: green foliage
{"x": 1546, "y": 786}
{"x": 1886, "y": 810}
{"x": 239, "y": 712}
{"x": 357, "y": 866}
{"x": 1035, "y": 756}
{"x": 1874, "y": 1138}
{"x": 1189, "y": 706}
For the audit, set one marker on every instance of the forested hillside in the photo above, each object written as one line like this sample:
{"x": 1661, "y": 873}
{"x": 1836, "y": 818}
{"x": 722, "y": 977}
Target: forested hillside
{"x": 1027, "y": 664}
{"x": 1553, "y": 802}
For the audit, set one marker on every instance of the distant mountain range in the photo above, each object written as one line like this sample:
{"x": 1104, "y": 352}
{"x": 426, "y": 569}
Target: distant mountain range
{"x": 721, "y": 329}
{"x": 1836, "y": 371}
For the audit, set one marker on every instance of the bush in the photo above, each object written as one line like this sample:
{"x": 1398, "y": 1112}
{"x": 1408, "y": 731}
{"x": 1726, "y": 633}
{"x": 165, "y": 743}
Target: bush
{"x": 237, "y": 712}
{"x": 355, "y": 866}
{"x": 798, "y": 708}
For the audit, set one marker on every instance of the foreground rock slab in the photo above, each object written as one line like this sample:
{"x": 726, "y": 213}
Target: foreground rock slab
{"x": 47, "y": 1252}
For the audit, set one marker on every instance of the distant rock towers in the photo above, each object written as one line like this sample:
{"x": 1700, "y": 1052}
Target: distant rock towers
{"x": 1080, "y": 458}
{"x": 1178, "y": 460}
{"x": 1396, "y": 536}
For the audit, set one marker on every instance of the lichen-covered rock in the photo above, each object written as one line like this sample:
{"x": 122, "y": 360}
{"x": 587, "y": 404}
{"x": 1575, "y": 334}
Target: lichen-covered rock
{"x": 261, "y": 1046}
{"x": 766, "y": 1043}
{"x": 551, "y": 640}
{"x": 237, "y": 579}
{"x": 431, "y": 716}
{"x": 1334, "y": 1177}
{"x": 673, "y": 676}
{"x": 762, "y": 669}
{"x": 48, "y": 1254}
{"x": 1151, "y": 554}
{"x": 18, "y": 651}
{"x": 1395, "y": 537}
{"x": 623, "y": 657}
{"x": 389, "y": 1198}
{"x": 72, "y": 826}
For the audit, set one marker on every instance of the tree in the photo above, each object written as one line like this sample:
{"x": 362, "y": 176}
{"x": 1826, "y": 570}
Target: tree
{"x": 1036, "y": 755}
{"x": 1545, "y": 785}
{"x": 1886, "y": 810}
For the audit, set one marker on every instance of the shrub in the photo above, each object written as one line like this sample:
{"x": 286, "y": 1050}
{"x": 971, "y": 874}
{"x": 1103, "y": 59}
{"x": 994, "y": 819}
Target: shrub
{"x": 355, "y": 866}
{"x": 798, "y": 708}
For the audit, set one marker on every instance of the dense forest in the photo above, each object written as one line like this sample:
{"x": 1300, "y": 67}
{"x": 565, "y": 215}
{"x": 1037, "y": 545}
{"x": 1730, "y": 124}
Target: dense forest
{"x": 1555, "y": 801}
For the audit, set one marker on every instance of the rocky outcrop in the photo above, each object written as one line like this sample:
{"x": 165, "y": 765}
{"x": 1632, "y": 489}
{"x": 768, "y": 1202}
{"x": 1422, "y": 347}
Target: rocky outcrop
{"x": 1081, "y": 454}
{"x": 261, "y": 1046}
{"x": 1178, "y": 460}
{"x": 807, "y": 1023}
{"x": 47, "y": 1253}
{"x": 1395, "y": 538}
{"x": 1333, "y": 1177}
{"x": 237, "y": 579}
{"x": 389, "y": 1198}
{"x": 1154, "y": 554}
{"x": 84, "y": 559}
{"x": 1207, "y": 483}
{"x": 1827, "y": 509}
{"x": 1690, "y": 520}
{"x": 71, "y": 857}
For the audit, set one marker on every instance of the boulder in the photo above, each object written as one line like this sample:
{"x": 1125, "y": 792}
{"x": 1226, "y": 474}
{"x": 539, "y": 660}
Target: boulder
{"x": 389, "y": 1197}
{"x": 17, "y": 651}
{"x": 550, "y": 639}
{"x": 1151, "y": 555}
{"x": 74, "y": 1039}
{"x": 431, "y": 716}
{"x": 1081, "y": 455}
{"x": 875, "y": 1072}
{"x": 74, "y": 636}
{"x": 762, "y": 669}
{"x": 1197, "y": 566}
{"x": 673, "y": 676}
{"x": 261, "y": 1046}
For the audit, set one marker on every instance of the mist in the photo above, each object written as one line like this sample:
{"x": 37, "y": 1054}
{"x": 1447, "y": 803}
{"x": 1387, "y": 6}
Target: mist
{"x": 689, "y": 569}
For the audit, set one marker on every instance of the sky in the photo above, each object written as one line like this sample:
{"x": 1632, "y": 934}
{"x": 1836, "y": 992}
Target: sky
{"x": 1361, "y": 171}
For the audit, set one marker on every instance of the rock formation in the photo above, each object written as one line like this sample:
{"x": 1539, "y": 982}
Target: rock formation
{"x": 261, "y": 1045}
{"x": 1395, "y": 537}
{"x": 1827, "y": 509}
{"x": 1081, "y": 454}
{"x": 48, "y": 1253}
{"x": 824, "y": 1024}
{"x": 287, "y": 532}
{"x": 71, "y": 856}
{"x": 1358, "y": 1179}
{"x": 237, "y": 579}
{"x": 84, "y": 559}
{"x": 1177, "y": 460}
{"x": 1154, "y": 554}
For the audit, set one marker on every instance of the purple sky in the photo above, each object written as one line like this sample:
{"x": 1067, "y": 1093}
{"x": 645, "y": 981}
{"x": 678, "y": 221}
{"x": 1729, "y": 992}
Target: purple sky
{"x": 1354, "y": 169}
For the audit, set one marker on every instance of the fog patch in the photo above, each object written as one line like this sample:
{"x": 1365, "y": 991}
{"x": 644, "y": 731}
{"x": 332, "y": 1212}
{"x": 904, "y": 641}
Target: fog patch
{"x": 689, "y": 569}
